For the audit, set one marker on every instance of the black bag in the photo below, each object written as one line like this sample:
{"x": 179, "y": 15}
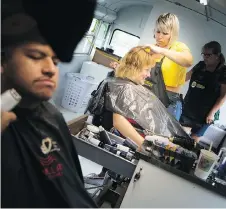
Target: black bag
{"x": 97, "y": 101}
{"x": 156, "y": 84}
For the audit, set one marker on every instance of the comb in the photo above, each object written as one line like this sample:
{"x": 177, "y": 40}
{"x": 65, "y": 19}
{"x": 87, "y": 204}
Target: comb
{"x": 147, "y": 49}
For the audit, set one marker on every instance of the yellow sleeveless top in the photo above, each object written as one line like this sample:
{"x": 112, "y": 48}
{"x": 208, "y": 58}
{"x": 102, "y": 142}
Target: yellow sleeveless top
{"x": 173, "y": 74}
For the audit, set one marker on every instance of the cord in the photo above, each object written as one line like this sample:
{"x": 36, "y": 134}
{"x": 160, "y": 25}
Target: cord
{"x": 217, "y": 10}
{"x": 179, "y": 4}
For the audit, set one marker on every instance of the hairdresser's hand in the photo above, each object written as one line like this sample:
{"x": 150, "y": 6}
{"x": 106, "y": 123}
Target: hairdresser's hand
{"x": 6, "y": 119}
{"x": 114, "y": 65}
{"x": 156, "y": 49}
{"x": 210, "y": 118}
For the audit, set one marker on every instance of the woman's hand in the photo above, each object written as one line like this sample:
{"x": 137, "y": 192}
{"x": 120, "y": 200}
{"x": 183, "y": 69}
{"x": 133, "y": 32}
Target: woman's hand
{"x": 6, "y": 119}
{"x": 156, "y": 49}
{"x": 114, "y": 65}
{"x": 210, "y": 118}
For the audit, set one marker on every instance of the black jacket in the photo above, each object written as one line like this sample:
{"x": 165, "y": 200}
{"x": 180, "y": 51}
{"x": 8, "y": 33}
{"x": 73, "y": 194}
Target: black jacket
{"x": 40, "y": 165}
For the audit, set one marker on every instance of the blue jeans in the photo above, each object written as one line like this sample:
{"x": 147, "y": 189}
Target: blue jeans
{"x": 200, "y": 132}
{"x": 175, "y": 110}
{"x": 175, "y": 107}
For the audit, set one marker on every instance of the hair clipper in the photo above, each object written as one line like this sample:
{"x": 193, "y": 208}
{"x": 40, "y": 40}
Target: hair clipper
{"x": 9, "y": 99}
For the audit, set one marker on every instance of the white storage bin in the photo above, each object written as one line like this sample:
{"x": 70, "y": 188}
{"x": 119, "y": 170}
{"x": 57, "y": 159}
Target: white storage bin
{"x": 77, "y": 92}
{"x": 99, "y": 72}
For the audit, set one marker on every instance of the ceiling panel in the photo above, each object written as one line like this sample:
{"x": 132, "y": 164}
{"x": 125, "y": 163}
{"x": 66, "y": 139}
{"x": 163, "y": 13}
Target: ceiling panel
{"x": 116, "y": 5}
{"x": 221, "y": 3}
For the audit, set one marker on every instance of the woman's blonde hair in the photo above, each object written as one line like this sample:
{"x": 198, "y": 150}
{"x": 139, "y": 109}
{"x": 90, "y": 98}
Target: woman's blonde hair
{"x": 168, "y": 23}
{"x": 134, "y": 62}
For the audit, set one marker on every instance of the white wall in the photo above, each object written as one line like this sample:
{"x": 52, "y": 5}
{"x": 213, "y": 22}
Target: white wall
{"x": 195, "y": 31}
{"x": 132, "y": 19}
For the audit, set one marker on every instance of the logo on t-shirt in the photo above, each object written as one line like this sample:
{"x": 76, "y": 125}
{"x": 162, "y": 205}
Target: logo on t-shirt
{"x": 193, "y": 85}
{"x": 197, "y": 85}
{"x": 52, "y": 168}
{"x": 48, "y": 145}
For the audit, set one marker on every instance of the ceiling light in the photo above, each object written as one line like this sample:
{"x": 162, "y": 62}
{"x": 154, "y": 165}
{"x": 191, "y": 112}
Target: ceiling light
{"x": 204, "y": 2}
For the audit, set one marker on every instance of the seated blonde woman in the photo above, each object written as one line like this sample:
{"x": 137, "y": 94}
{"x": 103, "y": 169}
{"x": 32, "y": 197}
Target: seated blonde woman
{"x": 125, "y": 104}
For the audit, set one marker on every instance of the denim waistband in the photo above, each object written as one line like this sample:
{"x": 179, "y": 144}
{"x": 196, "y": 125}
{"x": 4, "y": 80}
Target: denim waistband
{"x": 173, "y": 96}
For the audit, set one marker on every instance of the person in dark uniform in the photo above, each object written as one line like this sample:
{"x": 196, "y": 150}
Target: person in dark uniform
{"x": 39, "y": 163}
{"x": 207, "y": 90}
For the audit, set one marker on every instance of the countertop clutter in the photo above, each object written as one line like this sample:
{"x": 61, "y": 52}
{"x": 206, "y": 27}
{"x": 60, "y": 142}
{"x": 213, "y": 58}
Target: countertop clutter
{"x": 132, "y": 175}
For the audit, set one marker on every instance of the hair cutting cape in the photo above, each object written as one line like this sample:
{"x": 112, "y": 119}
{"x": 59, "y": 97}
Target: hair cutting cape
{"x": 135, "y": 102}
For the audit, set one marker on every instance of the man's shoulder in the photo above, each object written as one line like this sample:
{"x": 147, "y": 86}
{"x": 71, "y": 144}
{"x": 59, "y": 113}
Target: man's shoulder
{"x": 50, "y": 110}
{"x": 47, "y": 106}
{"x": 52, "y": 115}
{"x": 223, "y": 68}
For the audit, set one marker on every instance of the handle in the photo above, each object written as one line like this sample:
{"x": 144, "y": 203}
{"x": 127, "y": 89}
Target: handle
{"x": 90, "y": 77}
{"x": 72, "y": 75}
{"x": 222, "y": 150}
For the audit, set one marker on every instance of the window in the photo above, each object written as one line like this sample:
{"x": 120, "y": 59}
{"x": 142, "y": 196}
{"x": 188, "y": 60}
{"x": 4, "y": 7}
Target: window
{"x": 94, "y": 36}
{"x": 86, "y": 44}
{"x": 101, "y": 36}
{"x": 94, "y": 26}
{"x": 121, "y": 42}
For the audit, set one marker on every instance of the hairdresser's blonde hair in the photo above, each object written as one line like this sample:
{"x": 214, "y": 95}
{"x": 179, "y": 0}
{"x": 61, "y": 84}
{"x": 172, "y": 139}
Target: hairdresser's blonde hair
{"x": 134, "y": 62}
{"x": 168, "y": 23}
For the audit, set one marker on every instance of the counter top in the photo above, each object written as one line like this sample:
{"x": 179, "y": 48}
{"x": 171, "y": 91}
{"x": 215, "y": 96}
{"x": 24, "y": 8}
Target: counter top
{"x": 111, "y": 54}
{"x": 161, "y": 186}
{"x": 218, "y": 188}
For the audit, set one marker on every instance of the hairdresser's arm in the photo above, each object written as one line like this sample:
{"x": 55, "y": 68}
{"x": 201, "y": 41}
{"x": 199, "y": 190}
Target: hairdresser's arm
{"x": 183, "y": 58}
{"x": 220, "y": 101}
{"x": 126, "y": 129}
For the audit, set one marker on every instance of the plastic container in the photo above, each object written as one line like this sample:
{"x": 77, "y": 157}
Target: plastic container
{"x": 97, "y": 71}
{"x": 77, "y": 92}
{"x": 205, "y": 164}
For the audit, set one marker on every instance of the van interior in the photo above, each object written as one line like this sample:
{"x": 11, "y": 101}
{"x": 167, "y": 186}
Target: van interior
{"x": 119, "y": 25}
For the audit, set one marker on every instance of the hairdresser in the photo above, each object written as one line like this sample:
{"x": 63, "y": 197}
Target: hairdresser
{"x": 173, "y": 58}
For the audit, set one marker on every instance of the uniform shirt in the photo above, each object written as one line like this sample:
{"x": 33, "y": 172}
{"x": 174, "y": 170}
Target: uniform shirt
{"x": 40, "y": 165}
{"x": 203, "y": 92}
{"x": 173, "y": 74}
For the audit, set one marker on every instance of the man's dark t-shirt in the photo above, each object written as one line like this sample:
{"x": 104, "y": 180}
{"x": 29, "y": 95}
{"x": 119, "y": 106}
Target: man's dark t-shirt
{"x": 40, "y": 165}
